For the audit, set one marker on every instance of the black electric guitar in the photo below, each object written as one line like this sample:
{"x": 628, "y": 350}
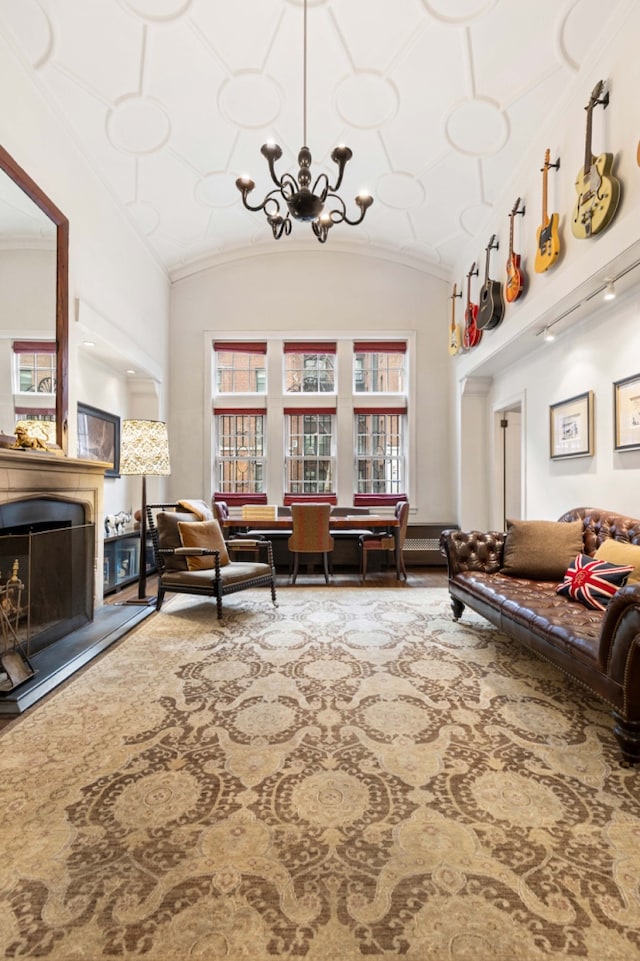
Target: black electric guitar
{"x": 598, "y": 191}
{"x": 491, "y": 300}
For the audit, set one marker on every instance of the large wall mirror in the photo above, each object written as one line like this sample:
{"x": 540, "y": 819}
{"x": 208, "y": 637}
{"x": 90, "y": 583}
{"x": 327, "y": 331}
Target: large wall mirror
{"x": 34, "y": 279}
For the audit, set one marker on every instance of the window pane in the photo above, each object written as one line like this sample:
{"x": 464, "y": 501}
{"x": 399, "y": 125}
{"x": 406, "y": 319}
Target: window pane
{"x": 239, "y": 372}
{"x": 37, "y": 372}
{"x": 240, "y": 453}
{"x": 309, "y": 461}
{"x": 379, "y": 453}
{"x": 379, "y": 372}
{"x": 309, "y": 373}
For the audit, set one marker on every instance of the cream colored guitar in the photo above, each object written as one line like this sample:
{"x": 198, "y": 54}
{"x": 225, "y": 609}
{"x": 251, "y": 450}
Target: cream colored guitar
{"x": 598, "y": 191}
{"x": 455, "y": 340}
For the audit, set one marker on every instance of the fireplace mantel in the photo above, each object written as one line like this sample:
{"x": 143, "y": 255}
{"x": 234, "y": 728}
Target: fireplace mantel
{"x": 30, "y": 473}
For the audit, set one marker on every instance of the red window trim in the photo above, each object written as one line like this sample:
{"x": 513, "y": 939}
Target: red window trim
{"x": 294, "y": 411}
{"x": 234, "y": 500}
{"x": 230, "y": 411}
{"x": 240, "y": 346}
{"x": 380, "y": 347}
{"x": 30, "y": 411}
{"x": 310, "y": 499}
{"x": 382, "y": 500}
{"x": 379, "y": 410}
{"x": 310, "y": 347}
{"x": 34, "y": 346}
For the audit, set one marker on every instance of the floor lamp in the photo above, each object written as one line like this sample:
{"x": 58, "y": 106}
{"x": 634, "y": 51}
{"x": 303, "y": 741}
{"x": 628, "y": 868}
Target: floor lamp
{"x": 144, "y": 449}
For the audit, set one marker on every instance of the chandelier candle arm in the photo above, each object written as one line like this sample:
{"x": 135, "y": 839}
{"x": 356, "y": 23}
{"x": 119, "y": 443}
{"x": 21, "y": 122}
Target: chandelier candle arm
{"x": 302, "y": 202}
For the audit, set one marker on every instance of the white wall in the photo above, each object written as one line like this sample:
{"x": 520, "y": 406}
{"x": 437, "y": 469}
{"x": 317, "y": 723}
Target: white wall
{"x": 323, "y": 292}
{"x": 595, "y": 345}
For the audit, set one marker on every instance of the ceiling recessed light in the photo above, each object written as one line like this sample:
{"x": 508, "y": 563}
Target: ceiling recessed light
{"x": 88, "y": 343}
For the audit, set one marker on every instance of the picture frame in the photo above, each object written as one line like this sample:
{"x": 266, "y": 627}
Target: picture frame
{"x": 99, "y": 437}
{"x": 626, "y": 413}
{"x": 571, "y": 427}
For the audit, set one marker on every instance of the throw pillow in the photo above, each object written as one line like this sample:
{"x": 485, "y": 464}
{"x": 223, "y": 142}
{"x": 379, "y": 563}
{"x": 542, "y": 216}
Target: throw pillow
{"x": 621, "y": 552}
{"x": 593, "y": 582}
{"x": 541, "y": 550}
{"x": 169, "y": 537}
{"x": 203, "y": 534}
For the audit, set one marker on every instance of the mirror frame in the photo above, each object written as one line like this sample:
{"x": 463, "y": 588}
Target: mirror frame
{"x": 32, "y": 190}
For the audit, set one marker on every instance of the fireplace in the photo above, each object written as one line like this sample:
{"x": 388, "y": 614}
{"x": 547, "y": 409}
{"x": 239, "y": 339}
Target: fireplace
{"x": 46, "y": 543}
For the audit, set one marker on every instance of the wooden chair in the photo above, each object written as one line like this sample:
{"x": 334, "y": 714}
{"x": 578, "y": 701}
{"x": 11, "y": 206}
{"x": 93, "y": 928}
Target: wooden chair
{"x": 391, "y": 541}
{"x": 310, "y": 534}
{"x": 192, "y": 557}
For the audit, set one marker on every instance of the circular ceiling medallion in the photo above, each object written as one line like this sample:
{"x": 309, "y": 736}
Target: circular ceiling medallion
{"x": 400, "y": 191}
{"x": 366, "y": 100}
{"x": 457, "y": 11}
{"x": 477, "y": 128}
{"x": 33, "y": 30}
{"x": 145, "y": 215}
{"x": 217, "y": 190}
{"x": 138, "y": 125}
{"x": 250, "y": 99}
{"x": 473, "y": 219}
{"x": 158, "y": 10}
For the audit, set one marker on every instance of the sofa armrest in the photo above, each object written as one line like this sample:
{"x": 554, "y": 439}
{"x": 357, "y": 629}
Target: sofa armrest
{"x": 619, "y": 654}
{"x": 472, "y": 550}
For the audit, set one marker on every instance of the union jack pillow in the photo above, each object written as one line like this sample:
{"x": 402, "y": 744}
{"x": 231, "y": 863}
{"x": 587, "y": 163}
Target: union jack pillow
{"x": 593, "y": 582}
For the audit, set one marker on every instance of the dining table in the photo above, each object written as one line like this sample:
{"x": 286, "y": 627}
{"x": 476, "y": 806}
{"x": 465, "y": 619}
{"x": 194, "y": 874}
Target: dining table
{"x": 340, "y": 522}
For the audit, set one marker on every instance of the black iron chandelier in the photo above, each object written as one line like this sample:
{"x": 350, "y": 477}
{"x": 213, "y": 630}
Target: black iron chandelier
{"x": 320, "y": 205}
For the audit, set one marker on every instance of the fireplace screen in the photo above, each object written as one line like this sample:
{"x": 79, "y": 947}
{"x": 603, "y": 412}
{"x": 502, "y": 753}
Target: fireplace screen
{"x": 46, "y": 585}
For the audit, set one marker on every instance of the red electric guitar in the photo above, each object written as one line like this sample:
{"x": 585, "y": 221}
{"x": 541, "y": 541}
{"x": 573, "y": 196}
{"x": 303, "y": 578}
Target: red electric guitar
{"x": 471, "y": 336}
{"x": 514, "y": 286}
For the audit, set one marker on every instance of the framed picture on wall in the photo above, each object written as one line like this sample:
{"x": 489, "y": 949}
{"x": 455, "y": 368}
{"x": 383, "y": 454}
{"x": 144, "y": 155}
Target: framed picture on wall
{"x": 571, "y": 426}
{"x": 99, "y": 437}
{"x": 626, "y": 413}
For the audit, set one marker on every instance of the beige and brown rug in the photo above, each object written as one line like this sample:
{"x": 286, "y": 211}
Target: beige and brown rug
{"x": 350, "y": 775}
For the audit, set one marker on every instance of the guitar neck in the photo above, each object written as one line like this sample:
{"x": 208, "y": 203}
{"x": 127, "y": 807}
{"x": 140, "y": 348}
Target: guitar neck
{"x": 511, "y": 219}
{"x": 588, "y": 156}
{"x": 545, "y": 175}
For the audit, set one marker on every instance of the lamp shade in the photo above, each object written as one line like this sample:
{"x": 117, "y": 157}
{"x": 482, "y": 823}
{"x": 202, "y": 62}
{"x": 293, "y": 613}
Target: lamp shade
{"x": 144, "y": 447}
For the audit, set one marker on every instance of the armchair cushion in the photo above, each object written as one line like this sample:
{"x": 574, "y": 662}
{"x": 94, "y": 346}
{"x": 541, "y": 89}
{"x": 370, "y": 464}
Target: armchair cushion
{"x": 169, "y": 538}
{"x": 205, "y": 534}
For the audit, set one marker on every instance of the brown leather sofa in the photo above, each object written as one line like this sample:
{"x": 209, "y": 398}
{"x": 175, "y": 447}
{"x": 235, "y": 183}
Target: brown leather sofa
{"x": 599, "y": 649}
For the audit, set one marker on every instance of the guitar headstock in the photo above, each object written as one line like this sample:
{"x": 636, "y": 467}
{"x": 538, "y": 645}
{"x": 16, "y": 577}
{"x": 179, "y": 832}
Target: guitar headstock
{"x": 493, "y": 243}
{"x": 597, "y": 96}
{"x": 474, "y": 270}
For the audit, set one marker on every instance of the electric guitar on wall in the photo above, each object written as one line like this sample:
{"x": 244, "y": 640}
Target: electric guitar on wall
{"x": 548, "y": 239}
{"x": 514, "y": 286}
{"x": 598, "y": 191}
{"x": 471, "y": 336}
{"x": 455, "y": 342}
{"x": 491, "y": 301}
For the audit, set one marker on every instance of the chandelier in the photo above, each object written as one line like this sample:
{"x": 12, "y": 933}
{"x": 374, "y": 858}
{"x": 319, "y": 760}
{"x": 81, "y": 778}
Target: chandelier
{"x": 320, "y": 205}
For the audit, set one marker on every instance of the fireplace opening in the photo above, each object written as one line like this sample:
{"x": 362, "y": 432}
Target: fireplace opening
{"x": 47, "y": 544}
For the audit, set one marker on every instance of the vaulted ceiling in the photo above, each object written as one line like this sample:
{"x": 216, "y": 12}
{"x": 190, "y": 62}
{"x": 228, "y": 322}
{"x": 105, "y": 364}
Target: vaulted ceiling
{"x": 171, "y": 100}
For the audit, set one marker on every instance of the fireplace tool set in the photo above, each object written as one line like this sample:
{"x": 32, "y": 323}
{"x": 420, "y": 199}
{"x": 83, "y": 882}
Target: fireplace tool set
{"x": 14, "y": 666}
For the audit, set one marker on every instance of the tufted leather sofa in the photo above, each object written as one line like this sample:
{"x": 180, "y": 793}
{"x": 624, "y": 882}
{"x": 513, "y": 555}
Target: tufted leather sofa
{"x": 599, "y": 649}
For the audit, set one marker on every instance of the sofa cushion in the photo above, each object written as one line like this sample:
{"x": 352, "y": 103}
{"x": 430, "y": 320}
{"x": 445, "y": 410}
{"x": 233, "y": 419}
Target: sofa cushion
{"x": 621, "y": 552}
{"x": 205, "y": 534}
{"x": 541, "y": 550}
{"x": 593, "y": 582}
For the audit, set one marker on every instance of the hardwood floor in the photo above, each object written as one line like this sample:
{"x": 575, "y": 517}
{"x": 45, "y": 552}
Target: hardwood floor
{"x": 417, "y": 577}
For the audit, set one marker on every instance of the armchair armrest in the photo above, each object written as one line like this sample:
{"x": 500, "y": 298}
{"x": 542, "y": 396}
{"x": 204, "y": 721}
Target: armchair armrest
{"x": 472, "y": 550}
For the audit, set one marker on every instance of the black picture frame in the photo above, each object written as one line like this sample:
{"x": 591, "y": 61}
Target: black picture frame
{"x": 626, "y": 413}
{"x": 571, "y": 427}
{"x": 99, "y": 437}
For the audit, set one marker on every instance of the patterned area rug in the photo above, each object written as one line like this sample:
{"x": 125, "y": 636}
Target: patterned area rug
{"x": 350, "y": 775}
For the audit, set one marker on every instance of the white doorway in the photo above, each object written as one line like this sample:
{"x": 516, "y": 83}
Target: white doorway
{"x": 508, "y": 475}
